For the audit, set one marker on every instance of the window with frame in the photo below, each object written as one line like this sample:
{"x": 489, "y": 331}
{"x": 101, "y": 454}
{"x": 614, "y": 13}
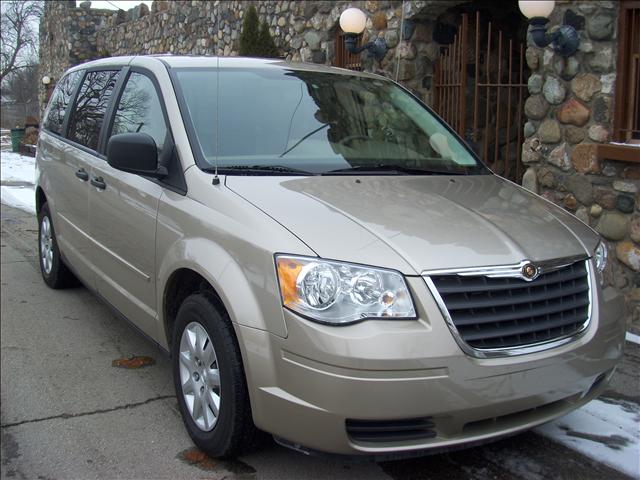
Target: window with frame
{"x": 54, "y": 116}
{"x": 627, "y": 113}
{"x": 140, "y": 111}
{"x": 91, "y": 106}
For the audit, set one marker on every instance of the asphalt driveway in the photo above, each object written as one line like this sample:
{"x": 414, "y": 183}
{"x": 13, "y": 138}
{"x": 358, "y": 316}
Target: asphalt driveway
{"x": 68, "y": 412}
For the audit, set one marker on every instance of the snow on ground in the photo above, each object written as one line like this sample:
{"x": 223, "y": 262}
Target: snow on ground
{"x": 18, "y": 175}
{"x": 17, "y": 168}
{"x": 23, "y": 198}
{"x": 605, "y": 429}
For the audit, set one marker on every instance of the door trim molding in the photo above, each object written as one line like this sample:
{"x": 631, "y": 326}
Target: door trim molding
{"x": 131, "y": 267}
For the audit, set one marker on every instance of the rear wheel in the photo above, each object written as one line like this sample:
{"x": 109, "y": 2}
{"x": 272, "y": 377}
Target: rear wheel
{"x": 209, "y": 378}
{"x": 54, "y": 272}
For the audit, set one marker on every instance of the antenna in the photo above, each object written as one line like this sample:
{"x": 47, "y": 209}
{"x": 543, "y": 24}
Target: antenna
{"x": 216, "y": 179}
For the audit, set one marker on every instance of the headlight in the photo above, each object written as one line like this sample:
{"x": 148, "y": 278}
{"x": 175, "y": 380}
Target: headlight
{"x": 338, "y": 293}
{"x": 600, "y": 257}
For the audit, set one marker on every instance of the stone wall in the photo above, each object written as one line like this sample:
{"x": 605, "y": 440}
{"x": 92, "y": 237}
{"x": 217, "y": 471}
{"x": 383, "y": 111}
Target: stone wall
{"x": 570, "y": 111}
{"x": 68, "y": 36}
{"x": 302, "y": 30}
{"x": 54, "y": 43}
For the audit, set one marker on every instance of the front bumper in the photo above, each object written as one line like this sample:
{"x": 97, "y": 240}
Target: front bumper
{"x": 304, "y": 388}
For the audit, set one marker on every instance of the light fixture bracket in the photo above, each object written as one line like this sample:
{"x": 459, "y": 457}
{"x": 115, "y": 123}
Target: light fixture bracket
{"x": 565, "y": 40}
{"x": 378, "y": 48}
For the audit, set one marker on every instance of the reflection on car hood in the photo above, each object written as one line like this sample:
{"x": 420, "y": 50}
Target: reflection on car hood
{"x": 417, "y": 223}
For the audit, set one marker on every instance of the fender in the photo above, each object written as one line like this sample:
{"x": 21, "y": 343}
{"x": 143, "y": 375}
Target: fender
{"x": 254, "y": 303}
{"x": 235, "y": 261}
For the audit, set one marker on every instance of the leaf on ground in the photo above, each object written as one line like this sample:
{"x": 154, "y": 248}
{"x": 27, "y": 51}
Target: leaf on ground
{"x": 133, "y": 362}
{"x": 197, "y": 458}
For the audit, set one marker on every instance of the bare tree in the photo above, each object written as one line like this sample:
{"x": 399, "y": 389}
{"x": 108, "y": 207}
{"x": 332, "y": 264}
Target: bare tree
{"x": 21, "y": 86}
{"x": 19, "y": 30}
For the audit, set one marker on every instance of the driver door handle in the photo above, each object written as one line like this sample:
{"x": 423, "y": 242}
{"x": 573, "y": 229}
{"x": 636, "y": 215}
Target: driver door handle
{"x": 98, "y": 182}
{"x": 82, "y": 174}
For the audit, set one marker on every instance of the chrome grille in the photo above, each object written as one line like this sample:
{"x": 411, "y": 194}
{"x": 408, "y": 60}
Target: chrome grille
{"x": 498, "y": 313}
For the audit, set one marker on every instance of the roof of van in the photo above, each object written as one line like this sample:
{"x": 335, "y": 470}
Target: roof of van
{"x": 175, "y": 61}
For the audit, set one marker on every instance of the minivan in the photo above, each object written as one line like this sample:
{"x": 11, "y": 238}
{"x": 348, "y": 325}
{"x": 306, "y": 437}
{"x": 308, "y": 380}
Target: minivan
{"x": 322, "y": 256}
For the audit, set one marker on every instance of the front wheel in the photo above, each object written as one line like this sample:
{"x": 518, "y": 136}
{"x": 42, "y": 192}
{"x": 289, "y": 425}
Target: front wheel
{"x": 209, "y": 378}
{"x": 54, "y": 272}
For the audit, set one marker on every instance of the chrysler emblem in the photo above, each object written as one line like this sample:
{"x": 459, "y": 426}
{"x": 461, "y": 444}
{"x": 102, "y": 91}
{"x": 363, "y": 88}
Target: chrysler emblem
{"x": 529, "y": 271}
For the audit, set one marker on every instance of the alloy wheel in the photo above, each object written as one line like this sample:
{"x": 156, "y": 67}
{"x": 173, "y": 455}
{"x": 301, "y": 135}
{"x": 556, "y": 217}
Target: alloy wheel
{"x": 200, "y": 376}
{"x": 46, "y": 245}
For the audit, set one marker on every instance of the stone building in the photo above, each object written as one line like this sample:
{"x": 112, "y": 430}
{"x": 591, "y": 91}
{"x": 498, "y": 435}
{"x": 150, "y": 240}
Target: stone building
{"x": 534, "y": 116}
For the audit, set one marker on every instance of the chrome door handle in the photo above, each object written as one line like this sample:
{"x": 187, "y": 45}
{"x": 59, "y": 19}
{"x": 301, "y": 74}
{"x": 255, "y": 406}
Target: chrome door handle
{"x": 82, "y": 174}
{"x": 98, "y": 182}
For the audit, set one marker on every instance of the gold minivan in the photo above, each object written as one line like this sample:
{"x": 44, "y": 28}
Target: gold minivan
{"x": 321, "y": 255}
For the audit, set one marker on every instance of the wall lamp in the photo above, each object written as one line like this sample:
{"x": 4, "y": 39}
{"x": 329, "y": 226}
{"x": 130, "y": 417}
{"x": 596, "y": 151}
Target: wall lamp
{"x": 46, "y": 80}
{"x": 565, "y": 39}
{"x": 352, "y": 23}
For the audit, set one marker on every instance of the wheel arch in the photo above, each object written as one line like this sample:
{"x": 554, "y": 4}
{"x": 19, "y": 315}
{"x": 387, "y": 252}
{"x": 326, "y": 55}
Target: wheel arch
{"x": 41, "y": 199}
{"x": 249, "y": 300}
{"x": 181, "y": 283}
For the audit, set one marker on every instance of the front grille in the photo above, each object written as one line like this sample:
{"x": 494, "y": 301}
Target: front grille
{"x": 390, "y": 430}
{"x": 491, "y": 313}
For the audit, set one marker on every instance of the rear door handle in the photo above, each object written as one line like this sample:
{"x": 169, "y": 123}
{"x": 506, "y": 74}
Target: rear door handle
{"x": 98, "y": 182}
{"x": 82, "y": 174}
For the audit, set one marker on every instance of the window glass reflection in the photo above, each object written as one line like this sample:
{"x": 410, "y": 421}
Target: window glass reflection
{"x": 91, "y": 106}
{"x": 315, "y": 121}
{"x": 54, "y": 117}
{"x": 140, "y": 110}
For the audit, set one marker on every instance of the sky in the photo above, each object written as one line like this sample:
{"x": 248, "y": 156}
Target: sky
{"x": 115, "y": 4}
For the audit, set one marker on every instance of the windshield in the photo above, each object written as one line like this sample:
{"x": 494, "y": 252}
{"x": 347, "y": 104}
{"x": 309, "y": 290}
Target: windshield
{"x": 295, "y": 121}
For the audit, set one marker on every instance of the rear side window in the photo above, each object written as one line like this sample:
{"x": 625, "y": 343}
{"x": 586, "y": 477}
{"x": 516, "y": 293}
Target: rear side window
{"x": 91, "y": 106}
{"x": 54, "y": 116}
{"x": 140, "y": 110}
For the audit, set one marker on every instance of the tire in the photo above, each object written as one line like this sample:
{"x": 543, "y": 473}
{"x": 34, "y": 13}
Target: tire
{"x": 54, "y": 272}
{"x": 232, "y": 431}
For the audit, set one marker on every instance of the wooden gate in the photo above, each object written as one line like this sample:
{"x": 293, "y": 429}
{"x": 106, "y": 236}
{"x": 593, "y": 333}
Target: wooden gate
{"x": 479, "y": 89}
{"x": 343, "y": 58}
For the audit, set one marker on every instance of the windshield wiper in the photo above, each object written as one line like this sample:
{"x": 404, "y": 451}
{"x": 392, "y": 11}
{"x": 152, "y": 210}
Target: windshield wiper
{"x": 388, "y": 168}
{"x": 261, "y": 169}
{"x": 304, "y": 138}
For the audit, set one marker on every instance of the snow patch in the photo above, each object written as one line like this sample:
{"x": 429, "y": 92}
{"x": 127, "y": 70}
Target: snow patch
{"x": 23, "y": 198}
{"x": 632, "y": 337}
{"x": 605, "y": 429}
{"x": 18, "y": 169}
{"x": 637, "y": 145}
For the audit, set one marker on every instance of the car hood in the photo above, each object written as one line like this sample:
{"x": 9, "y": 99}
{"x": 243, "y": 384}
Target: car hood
{"x": 417, "y": 223}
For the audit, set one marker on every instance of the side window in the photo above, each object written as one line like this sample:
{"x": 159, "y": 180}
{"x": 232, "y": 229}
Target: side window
{"x": 54, "y": 116}
{"x": 140, "y": 110}
{"x": 91, "y": 106}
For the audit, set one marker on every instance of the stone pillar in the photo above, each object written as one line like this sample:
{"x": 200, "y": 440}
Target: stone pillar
{"x": 569, "y": 112}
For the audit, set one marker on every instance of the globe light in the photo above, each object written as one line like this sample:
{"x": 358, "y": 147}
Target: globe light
{"x": 46, "y": 80}
{"x": 353, "y": 20}
{"x": 536, "y": 8}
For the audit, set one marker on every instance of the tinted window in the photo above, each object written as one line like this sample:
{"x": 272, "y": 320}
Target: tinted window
{"x": 54, "y": 116}
{"x": 316, "y": 122}
{"x": 140, "y": 110}
{"x": 91, "y": 106}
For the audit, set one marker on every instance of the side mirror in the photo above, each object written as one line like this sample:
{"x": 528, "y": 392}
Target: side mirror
{"x": 135, "y": 153}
